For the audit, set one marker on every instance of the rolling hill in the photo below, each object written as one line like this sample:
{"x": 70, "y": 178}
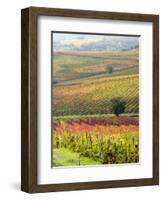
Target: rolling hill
{"x": 77, "y": 65}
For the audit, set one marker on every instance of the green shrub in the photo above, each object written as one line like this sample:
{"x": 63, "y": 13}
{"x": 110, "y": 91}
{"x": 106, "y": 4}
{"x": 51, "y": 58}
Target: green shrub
{"x": 117, "y": 106}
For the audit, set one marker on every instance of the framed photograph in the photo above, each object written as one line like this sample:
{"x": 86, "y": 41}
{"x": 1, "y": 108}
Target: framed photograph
{"x": 90, "y": 99}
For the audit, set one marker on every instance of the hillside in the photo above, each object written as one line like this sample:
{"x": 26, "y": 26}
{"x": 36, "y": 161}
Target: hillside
{"x": 95, "y": 100}
{"x": 77, "y": 65}
{"x": 92, "y": 96}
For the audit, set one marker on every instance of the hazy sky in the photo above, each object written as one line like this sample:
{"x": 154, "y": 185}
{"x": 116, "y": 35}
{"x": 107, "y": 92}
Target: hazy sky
{"x": 63, "y": 41}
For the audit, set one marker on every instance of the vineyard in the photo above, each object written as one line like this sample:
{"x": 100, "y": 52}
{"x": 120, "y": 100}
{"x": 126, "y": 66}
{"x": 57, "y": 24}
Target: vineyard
{"x": 93, "y": 96}
{"x": 85, "y": 131}
{"x": 103, "y": 140}
{"x": 73, "y": 66}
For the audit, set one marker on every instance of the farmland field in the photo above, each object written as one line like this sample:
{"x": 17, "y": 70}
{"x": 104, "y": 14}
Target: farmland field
{"x": 72, "y": 66}
{"x": 92, "y": 96}
{"x": 105, "y": 140}
{"x": 86, "y": 130}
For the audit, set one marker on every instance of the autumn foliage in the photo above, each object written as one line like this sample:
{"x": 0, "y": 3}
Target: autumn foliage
{"x": 108, "y": 141}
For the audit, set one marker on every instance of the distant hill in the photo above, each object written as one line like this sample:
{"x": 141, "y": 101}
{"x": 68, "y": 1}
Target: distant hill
{"x": 75, "y": 42}
{"x": 69, "y": 66}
